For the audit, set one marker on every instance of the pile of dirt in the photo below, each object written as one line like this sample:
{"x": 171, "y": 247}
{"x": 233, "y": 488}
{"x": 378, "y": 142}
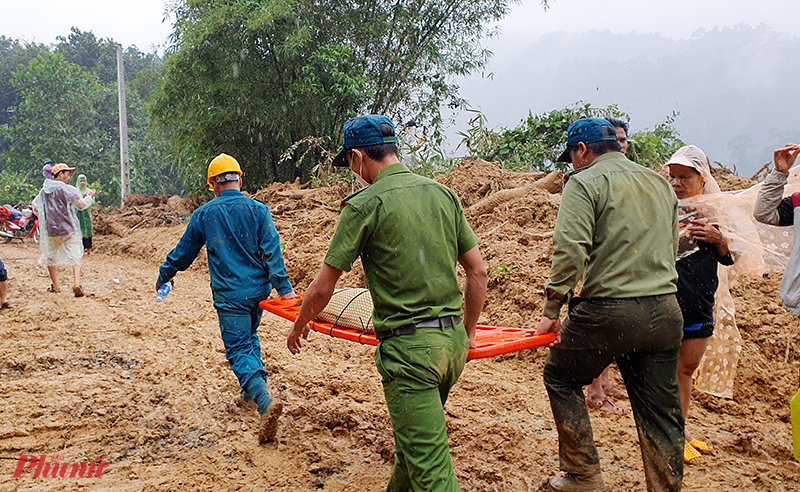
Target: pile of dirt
{"x": 475, "y": 179}
{"x": 144, "y": 211}
{"x": 146, "y": 384}
{"x": 728, "y": 181}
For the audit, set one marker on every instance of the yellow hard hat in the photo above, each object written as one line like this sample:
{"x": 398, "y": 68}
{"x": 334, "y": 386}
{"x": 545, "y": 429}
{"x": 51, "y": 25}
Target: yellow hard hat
{"x": 222, "y": 164}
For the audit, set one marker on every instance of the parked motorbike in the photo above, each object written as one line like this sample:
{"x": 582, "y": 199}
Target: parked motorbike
{"x": 15, "y": 224}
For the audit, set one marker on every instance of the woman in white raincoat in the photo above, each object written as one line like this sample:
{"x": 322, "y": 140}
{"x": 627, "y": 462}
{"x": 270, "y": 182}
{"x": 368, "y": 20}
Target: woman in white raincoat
{"x": 61, "y": 243}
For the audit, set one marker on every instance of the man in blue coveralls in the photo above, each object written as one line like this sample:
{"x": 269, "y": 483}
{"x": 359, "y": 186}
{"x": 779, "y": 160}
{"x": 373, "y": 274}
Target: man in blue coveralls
{"x": 245, "y": 263}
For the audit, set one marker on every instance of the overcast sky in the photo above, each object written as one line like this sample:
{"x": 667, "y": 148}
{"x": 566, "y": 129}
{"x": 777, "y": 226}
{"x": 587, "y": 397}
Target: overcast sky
{"x": 535, "y": 70}
{"x": 670, "y": 18}
{"x": 128, "y": 22}
{"x": 139, "y": 22}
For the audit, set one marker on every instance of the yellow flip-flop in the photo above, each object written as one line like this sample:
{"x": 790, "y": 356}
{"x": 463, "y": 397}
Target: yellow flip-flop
{"x": 702, "y": 447}
{"x": 690, "y": 453}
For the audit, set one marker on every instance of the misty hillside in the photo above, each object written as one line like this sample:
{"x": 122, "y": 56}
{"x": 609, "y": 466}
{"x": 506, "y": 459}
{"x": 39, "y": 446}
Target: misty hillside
{"x": 735, "y": 88}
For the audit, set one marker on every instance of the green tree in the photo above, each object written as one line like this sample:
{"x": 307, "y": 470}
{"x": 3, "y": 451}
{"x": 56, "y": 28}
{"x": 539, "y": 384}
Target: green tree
{"x": 13, "y": 55}
{"x": 536, "y": 143}
{"x": 653, "y": 148}
{"x": 253, "y": 77}
{"x": 67, "y": 115}
{"x": 151, "y": 170}
{"x": 16, "y": 188}
{"x": 65, "y": 111}
{"x": 57, "y": 114}
{"x": 98, "y": 56}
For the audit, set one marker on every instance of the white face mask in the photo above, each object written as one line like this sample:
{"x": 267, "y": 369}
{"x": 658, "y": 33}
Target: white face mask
{"x": 359, "y": 177}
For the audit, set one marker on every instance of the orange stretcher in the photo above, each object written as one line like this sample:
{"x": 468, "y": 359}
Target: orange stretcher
{"x": 490, "y": 340}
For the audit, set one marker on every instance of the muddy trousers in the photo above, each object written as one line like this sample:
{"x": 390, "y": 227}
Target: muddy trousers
{"x": 238, "y": 324}
{"x": 418, "y": 371}
{"x": 643, "y": 335}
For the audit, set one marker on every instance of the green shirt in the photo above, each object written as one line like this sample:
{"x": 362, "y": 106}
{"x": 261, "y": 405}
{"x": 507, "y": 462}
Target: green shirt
{"x": 408, "y": 231}
{"x": 617, "y": 230}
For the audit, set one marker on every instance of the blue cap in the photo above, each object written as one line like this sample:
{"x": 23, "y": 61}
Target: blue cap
{"x": 363, "y": 131}
{"x": 587, "y": 130}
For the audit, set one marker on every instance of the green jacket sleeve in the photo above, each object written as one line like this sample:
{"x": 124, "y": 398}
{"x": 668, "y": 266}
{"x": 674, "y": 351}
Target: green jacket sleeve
{"x": 572, "y": 241}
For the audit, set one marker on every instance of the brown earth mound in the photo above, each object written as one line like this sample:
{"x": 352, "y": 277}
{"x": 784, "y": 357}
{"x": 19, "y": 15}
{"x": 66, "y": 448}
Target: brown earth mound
{"x": 146, "y": 386}
{"x": 143, "y": 211}
{"x": 729, "y": 181}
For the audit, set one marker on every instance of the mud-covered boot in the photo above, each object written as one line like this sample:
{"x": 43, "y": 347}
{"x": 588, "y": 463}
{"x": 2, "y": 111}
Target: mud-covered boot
{"x": 577, "y": 483}
{"x": 268, "y": 408}
{"x": 269, "y": 422}
{"x": 256, "y": 391}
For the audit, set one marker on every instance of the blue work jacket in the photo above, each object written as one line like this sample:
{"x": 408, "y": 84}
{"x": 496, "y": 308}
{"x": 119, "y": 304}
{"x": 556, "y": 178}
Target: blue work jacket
{"x": 243, "y": 246}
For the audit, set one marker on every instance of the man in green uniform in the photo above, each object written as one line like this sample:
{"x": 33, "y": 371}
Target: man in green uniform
{"x": 617, "y": 231}
{"x": 409, "y": 232}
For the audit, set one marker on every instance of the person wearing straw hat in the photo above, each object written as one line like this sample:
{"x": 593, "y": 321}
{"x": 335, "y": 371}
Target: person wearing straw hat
{"x": 60, "y": 243}
{"x": 617, "y": 231}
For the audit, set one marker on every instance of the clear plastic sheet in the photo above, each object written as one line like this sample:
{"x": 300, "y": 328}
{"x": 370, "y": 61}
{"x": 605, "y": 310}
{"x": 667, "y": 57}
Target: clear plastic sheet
{"x": 757, "y": 249}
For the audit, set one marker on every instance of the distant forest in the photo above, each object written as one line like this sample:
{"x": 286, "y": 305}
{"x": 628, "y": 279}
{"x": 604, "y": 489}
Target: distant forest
{"x": 59, "y": 102}
{"x": 734, "y": 88}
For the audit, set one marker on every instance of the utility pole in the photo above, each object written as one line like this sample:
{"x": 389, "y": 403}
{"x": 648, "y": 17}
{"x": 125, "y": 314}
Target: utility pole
{"x": 125, "y": 173}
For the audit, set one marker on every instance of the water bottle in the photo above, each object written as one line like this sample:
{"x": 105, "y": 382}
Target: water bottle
{"x": 163, "y": 291}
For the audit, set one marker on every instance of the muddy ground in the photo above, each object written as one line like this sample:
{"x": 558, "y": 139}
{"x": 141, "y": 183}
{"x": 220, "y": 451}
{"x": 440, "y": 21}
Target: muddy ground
{"x": 146, "y": 386}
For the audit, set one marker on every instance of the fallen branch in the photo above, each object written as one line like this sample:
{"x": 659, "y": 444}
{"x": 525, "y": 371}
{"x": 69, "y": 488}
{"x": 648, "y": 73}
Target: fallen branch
{"x": 552, "y": 183}
{"x": 498, "y": 227}
{"x": 140, "y": 223}
{"x": 761, "y": 169}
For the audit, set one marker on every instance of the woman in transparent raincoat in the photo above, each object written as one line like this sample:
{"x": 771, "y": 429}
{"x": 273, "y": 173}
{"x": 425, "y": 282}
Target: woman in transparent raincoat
{"x": 61, "y": 243}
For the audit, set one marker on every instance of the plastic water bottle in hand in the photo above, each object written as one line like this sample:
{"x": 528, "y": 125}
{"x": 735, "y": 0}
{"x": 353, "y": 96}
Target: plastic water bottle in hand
{"x": 163, "y": 291}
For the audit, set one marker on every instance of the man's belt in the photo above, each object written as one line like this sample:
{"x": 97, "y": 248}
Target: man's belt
{"x": 410, "y": 329}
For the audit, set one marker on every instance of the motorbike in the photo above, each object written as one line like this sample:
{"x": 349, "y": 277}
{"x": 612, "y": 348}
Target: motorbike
{"x": 18, "y": 225}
